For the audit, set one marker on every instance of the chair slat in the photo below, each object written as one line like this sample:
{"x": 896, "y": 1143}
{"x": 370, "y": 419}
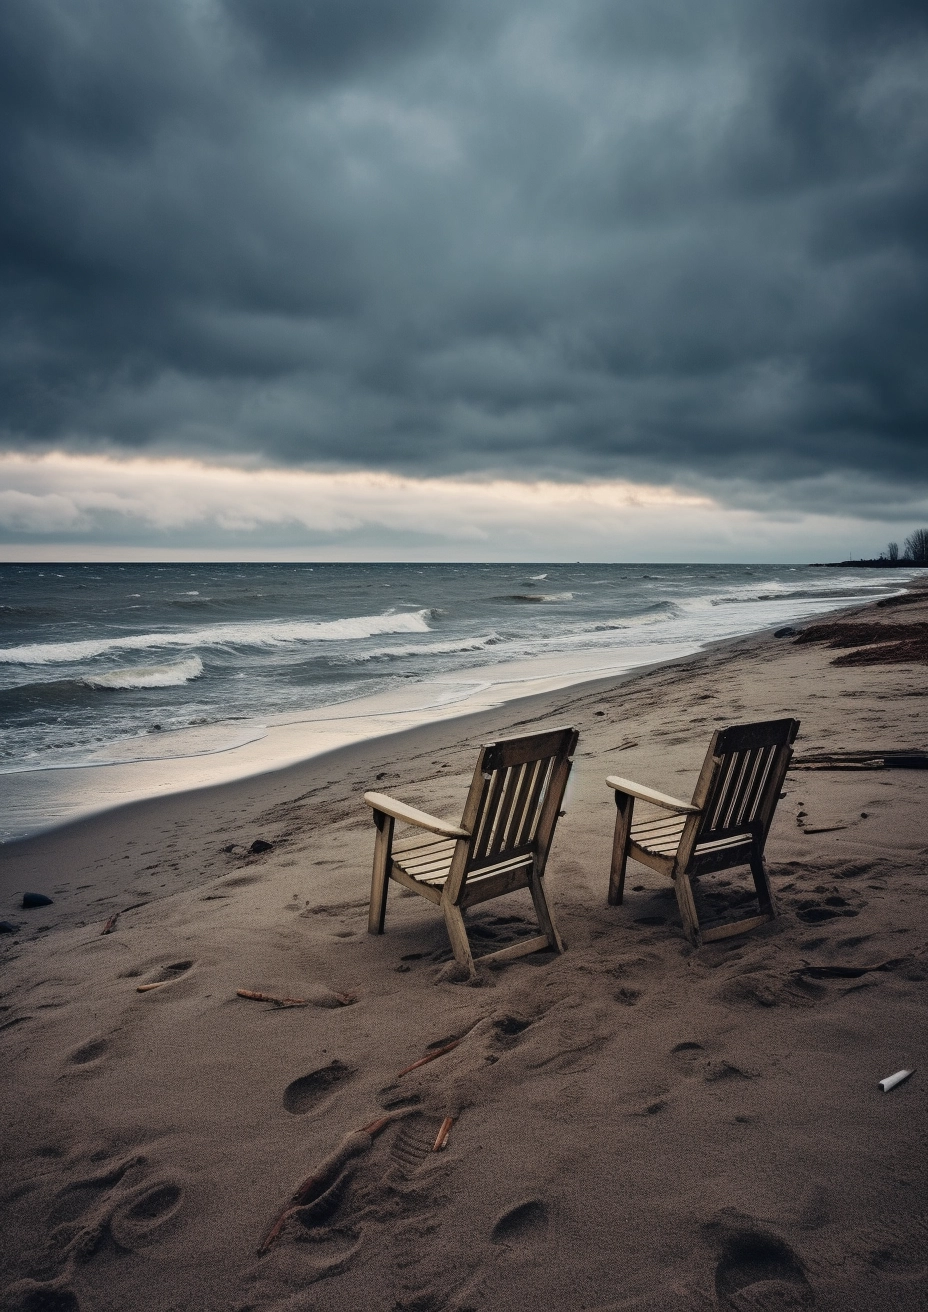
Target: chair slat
{"x": 671, "y": 826}
{"x": 504, "y": 818}
{"x": 526, "y": 801}
{"x": 408, "y": 846}
{"x": 514, "y": 809}
{"x": 741, "y": 764}
{"x": 424, "y": 867}
{"x": 757, "y": 789}
{"x": 535, "y": 800}
{"x": 484, "y": 835}
{"x": 752, "y": 765}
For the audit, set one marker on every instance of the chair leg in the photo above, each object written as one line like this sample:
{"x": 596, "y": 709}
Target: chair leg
{"x": 625, "y": 805}
{"x": 687, "y": 904}
{"x": 457, "y": 933}
{"x": 380, "y": 880}
{"x": 762, "y": 884}
{"x": 543, "y": 912}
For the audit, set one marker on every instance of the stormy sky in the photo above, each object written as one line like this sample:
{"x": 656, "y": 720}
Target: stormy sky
{"x": 591, "y": 244}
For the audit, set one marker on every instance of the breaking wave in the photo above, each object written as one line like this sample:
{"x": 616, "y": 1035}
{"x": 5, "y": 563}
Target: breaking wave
{"x": 148, "y": 676}
{"x": 422, "y": 649}
{"x": 272, "y": 633}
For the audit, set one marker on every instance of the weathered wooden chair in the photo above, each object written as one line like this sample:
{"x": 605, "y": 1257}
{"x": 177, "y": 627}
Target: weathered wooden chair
{"x": 500, "y": 845}
{"x": 725, "y": 825}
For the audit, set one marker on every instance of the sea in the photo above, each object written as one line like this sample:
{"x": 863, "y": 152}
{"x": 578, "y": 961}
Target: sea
{"x": 125, "y": 681}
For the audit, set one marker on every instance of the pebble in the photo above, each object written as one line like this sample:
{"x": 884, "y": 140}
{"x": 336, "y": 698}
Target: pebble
{"x": 7, "y": 927}
{"x": 36, "y": 900}
{"x": 261, "y": 845}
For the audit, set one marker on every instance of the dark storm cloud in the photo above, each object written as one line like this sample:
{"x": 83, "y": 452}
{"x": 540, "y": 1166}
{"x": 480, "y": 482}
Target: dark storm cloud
{"x": 662, "y": 241}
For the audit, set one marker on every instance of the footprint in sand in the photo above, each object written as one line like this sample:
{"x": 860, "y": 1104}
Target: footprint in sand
{"x": 136, "y": 1219}
{"x": 414, "y": 1143}
{"x": 167, "y": 974}
{"x": 760, "y": 1271}
{"x": 523, "y": 1221}
{"x": 89, "y": 1052}
{"x": 686, "y": 1055}
{"x": 31, "y": 1296}
{"x": 309, "y": 1091}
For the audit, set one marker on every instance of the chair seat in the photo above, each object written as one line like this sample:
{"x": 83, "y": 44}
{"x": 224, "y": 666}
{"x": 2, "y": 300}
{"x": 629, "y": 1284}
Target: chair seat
{"x": 427, "y": 860}
{"x": 661, "y": 836}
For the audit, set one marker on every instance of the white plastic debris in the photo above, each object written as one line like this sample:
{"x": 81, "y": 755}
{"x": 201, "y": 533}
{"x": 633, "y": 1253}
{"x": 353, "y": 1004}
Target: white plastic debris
{"x": 892, "y": 1080}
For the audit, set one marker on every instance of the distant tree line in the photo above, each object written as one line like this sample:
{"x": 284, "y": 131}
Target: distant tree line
{"x": 916, "y": 549}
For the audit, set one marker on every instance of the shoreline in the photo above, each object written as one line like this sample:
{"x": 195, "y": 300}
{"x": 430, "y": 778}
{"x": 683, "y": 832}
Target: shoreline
{"x": 153, "y": 1136}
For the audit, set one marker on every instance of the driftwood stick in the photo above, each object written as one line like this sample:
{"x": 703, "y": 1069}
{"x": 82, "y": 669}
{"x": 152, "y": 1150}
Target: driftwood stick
{"x": 147, "y": 988}
{"x": 375, "y": 1127}
{"x": 110, "y": 924}
{"x": 343, "y": 999}
{"x": 441, "y": 1140}
{"x": 423, "y": 1061}
{"x": 271, "y": 997}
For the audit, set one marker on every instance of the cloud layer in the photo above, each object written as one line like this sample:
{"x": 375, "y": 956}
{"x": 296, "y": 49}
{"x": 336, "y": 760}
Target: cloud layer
{"x": 667, "y": 243}
{"x": 66, "y": 506}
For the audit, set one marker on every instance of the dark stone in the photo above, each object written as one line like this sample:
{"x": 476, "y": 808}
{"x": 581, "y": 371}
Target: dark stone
{"x": 36, "y": 900}
{"x": 260, "y": 845}
{"x": 787, "y": 632}
{"x": 7, "y": 927}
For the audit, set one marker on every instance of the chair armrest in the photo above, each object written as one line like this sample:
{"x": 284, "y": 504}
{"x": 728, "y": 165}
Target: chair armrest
{"x": 651, "y": 795}
{"x": 408, "y": 815}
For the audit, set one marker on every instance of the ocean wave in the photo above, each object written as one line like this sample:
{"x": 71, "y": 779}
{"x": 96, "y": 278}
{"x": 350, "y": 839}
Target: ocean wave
{"x": 270, "y": 633}
{"x": 423, "y": 649}
{"x": 791, "y": 594}
{"x": 148, "y": 676}
{"x": 538, "y": 596}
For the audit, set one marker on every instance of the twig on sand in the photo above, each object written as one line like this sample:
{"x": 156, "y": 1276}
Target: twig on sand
{"x": 147, "y": 988}
{"x": 344, "y": 999}
{"x": 440, "y": 1052}
{"x": 441, "y": 1139}
{"x": 271, "y": 997}
{"x": 110, "y": 924}
{"x": 323, "y": 1177}
{"x": 423, "y": 1061}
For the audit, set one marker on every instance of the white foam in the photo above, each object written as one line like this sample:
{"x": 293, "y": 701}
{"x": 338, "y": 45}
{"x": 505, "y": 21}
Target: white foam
{"x": 421, "y": 649}
{"x": 270, "y": 633}
{"x": 148, "y": 676}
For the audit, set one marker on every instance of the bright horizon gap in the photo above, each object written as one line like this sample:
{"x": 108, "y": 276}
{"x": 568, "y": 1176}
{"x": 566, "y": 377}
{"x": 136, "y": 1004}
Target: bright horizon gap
{"x": 96, "y": 508}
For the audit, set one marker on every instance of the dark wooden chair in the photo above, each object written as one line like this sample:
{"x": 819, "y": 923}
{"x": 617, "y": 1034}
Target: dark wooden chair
{"x": 725, "y": 825}
{"x": 501, "y": 844}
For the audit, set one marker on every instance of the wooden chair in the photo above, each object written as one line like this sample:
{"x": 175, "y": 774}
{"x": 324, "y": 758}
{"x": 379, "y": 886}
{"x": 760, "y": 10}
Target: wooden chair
{"x": 725, "y": 825}
{"x": 500, "y": 845}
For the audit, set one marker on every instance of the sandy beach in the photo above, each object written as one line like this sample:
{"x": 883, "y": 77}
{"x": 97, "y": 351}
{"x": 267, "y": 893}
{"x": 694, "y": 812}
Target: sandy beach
{"x": 636, "y": 1124}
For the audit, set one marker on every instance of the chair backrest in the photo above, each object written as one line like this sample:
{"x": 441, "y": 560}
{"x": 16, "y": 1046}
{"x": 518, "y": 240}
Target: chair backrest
{"x": 516, "y": 796}
{"x": 740, "y": 781}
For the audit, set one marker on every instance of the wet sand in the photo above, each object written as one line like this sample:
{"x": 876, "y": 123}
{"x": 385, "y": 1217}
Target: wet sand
{"x": 636, "y": 1124}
